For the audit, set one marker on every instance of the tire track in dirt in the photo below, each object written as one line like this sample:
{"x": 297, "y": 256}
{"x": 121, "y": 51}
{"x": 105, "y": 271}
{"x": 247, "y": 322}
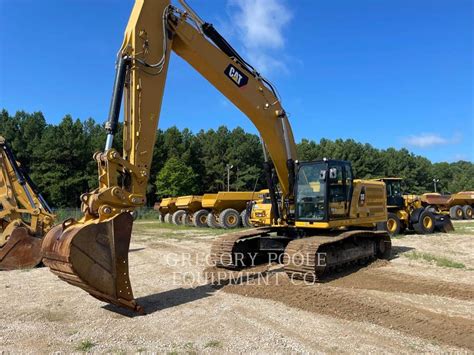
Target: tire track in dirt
{"x": 346, "y": 303}
{"x": 386, "y": 281}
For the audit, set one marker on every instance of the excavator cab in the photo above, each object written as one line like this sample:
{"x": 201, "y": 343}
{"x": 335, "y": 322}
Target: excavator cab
{"x": 394, "y": 192}
{"x": 323, "y": 190}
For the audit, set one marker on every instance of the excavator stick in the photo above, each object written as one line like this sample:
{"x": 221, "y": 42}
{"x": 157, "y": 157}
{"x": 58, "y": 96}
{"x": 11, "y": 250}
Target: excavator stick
{"x": 21, "y": 251}
{"x": 94, "y": 257}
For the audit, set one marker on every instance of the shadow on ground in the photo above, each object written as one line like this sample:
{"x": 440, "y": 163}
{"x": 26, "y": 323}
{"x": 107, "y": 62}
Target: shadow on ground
{"x": 399, "y": 250}
{"x": 179, "y": 296}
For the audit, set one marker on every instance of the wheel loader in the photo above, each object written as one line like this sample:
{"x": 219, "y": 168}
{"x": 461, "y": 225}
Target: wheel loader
{"x": 406, "y": 212}
{"x": 320, "y": 212}
{"x": 24, "y": 215}
{"x": 260, "y": 210}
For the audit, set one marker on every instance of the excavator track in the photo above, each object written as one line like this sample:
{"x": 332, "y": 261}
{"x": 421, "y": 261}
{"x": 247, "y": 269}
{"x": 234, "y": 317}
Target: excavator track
{"x": 311, "y": 258}
{"x": 225, "y": 248}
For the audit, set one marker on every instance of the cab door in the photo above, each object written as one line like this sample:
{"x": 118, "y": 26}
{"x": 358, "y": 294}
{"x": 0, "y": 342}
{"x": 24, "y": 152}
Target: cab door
{"x": 340, "y": 190}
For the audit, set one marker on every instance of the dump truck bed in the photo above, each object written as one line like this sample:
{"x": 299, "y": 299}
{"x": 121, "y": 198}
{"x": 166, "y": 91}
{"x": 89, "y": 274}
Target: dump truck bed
{"x": 166, "y": 205}
{"x": 233, "y": 199}
{"x": 460, "y": 198}
{"x": 191, "y": 203}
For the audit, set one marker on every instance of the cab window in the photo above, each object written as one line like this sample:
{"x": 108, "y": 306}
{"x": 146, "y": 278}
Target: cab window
{"x": 311, "y": 192}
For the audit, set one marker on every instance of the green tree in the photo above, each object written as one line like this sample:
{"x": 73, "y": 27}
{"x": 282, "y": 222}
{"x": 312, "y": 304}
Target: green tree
{"x": 176, "y": 179}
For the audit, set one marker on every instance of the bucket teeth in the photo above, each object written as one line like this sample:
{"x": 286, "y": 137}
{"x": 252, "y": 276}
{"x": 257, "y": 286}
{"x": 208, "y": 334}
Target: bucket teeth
{"x": 94, "y": 257}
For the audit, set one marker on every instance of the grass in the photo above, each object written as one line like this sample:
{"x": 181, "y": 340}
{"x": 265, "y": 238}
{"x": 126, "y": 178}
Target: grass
{"x": 85, "y": 346}
{"x": 213, "y": 344}
{"x": 174, "y": 229}
{"x": 437, "y": 260}
{"x": 463, "y": 227}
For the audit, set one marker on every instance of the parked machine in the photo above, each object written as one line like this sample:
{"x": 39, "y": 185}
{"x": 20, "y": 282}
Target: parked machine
{"x": 166, "y": 207}
{"x": 318, "y": 207}
{"x": 220, "y": 210}
{"x": 260, "y": 210}
{"x": 25, "y": 217}
{"x": 187, "y": 207}
{"x": 228, "y": 209}
{"x": 407, "y": 212}
{"x": 457, "y": 206}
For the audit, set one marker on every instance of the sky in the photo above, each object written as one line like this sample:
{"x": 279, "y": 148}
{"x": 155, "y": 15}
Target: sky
{"x": 384, "y": 72}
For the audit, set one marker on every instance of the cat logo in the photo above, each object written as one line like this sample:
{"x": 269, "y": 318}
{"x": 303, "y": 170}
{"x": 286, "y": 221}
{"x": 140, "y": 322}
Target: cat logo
{"x": 236, "y": 75}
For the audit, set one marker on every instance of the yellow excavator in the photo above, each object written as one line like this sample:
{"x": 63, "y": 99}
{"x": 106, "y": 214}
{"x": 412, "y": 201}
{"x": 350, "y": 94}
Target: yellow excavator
{"x": 319, "y": 209}
{"x": 25, "y": 217}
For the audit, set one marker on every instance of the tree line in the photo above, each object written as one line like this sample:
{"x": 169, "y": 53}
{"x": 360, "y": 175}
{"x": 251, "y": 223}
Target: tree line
{"x": 59, "y": 159}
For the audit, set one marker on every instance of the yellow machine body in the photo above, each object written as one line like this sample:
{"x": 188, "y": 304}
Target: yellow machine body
{"x": 25, "y": 217}
{"x": 407, "y": 212}
{"x": 91, "y": 253}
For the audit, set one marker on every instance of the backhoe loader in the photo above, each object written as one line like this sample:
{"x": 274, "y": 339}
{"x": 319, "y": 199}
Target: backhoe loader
{"x": 319, "y": 209}
{"x": 24, "y": 215}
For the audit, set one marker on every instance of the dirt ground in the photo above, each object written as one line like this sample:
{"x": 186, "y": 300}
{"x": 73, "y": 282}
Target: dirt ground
{"x": 420, "y": 301}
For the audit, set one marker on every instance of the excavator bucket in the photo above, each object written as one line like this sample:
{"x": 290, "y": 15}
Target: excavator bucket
{"x": 94, "y": 257}
{"x": 443, "y": 223}
{"x": 21, "y": 251}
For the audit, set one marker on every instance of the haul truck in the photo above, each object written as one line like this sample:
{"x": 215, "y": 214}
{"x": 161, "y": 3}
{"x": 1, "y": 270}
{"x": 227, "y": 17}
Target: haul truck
{"x": 166, "y": 207}
{"x": 220, "y": 210}
{"x": 187, "y": 207}
{"x": 457, "y": 206}
{"x": 228, "y": 209}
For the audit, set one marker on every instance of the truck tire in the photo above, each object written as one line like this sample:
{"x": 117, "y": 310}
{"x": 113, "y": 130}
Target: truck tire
{"x": 188, "y": 220}
{"x": 393, "y": 225}
{"x": 200, "y": 219}
{"x": 168, "y": 218}
{"x": 229, "y": 218}
{"x": 178, "y": 218}
{"x": 161, "y": 218}
{"x": 245, "y": 218}
{"x": 212, "y": 221}
{"x": 425, "y": 224}
{"x": 468, "y": 212}
{"x": 456, "y": 212}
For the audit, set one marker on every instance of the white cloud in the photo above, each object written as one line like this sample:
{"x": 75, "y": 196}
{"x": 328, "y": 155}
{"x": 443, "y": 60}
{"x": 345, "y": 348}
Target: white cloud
{"x": 260, "y": 25}
{"x": 427, "y": 140}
